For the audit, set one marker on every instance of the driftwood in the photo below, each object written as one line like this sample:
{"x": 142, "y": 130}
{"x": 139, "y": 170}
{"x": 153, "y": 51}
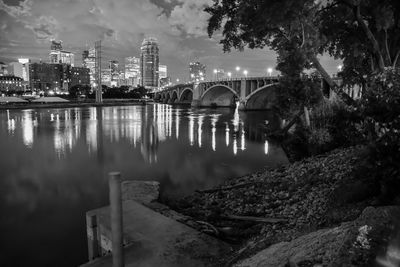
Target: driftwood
{"x": 254, "y": 219}
{"x": 212, "y": 227}
{"x": 227, "y": 188}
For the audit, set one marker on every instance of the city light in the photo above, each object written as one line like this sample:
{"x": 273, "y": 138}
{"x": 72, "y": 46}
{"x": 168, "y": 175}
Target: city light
{"x": 340, "y": 67}
{"x": 269, "y": 70}
{"x": 237, "y": 68}
{"x": 229, "y": 74}
{"x": 177, "y": 80}
{"x": 245, "y": 72}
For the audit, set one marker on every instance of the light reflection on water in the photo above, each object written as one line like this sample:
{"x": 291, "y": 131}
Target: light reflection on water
{"x": 54, "y": 165}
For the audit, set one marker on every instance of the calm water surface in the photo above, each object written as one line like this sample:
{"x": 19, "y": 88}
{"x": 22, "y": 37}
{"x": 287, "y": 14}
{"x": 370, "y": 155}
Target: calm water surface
{"x": 54, "y": 165}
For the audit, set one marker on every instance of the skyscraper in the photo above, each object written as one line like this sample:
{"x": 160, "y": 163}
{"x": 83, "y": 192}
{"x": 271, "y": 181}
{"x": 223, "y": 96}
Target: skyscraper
{"x": 197, "y": 71}
{"x": 58, "y": 55}
{"x": 132, "y": 71}
{"x": 149, "y": 61}
{"x": 114, "y": 72}
{"x": 89, "y": 61}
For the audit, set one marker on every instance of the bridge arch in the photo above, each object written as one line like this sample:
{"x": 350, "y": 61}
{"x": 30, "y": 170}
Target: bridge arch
{"x": 262, "y": 98}
{"x": 186, "y": 95}
{"x": 219, "y": 95}
{"x": 173, "y": 97}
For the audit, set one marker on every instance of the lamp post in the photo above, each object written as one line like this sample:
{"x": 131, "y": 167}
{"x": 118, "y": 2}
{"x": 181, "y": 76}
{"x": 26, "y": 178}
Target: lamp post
{"x": 229, "y": 74}
{"x": 237, "y": 71}
{"x": 215, "y": 74}
{"x": 177, "y": 80}
{"x": 245, "y": 72}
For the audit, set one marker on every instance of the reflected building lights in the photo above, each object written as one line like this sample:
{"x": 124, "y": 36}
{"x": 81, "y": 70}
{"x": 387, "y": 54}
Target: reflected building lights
{"x": 199, "y": 130}
{"x": 191, "y": 129}
{"x": 243, "y": 140}
{"x": 236, "y": 120}
{"x": 27, "y": 128}
{"x": 266, "y": 147}
{"x": 177, "y": 124}
{"x": 214, "y": 120}
{"x": 227, "y": 134}
{"x": 234, "y": 144}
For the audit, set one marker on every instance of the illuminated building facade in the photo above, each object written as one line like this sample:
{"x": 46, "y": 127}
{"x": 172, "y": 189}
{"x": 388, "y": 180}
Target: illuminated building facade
{"x": 58, "y": 55}
{"x": 197, "y": 71}
{"x": 89, "y": 61}
{"x": 56, "y": 77}
{"x": 132, "y": 71}
{"x": 149, "y": 61}
{"x": 11, "y": 83}
{"x": 114, "y": 72}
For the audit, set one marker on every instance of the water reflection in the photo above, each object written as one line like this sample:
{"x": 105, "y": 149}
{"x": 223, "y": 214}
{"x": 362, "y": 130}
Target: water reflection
{"x": 148, "y": 126}
{"x": 55, "y": 164}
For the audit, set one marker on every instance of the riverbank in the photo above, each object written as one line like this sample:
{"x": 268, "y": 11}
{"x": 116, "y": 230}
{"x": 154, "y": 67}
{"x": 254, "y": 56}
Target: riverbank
{"x": 273, "y": 206}
{"x": 73, "y": 104}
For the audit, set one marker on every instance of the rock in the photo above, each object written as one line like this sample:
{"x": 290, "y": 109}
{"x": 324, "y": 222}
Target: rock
{"x": 356, "y": 243}
{"x": 140, "y": 191}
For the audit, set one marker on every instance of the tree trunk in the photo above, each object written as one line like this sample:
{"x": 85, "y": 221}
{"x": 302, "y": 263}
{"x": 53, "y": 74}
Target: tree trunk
{"x": 345, "y": 97}
{"x": 370, "y": 37}
{"x": 396, "y": 58}
{"x": 307, "y": 117}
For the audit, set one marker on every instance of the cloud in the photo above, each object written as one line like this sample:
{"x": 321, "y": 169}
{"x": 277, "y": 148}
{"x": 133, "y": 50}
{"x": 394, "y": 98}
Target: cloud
{"x": 190, "y": 18}
{"x": 21, "y": 10}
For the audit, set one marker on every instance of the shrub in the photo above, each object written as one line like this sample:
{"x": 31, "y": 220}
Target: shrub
{"x": 381, "y": 108}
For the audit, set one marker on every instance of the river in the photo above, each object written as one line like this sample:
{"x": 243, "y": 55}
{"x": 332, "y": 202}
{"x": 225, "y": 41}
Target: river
{"x": 54, "y": 165}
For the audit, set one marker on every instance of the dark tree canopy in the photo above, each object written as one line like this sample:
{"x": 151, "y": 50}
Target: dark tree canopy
{"x": 363, "y": 33}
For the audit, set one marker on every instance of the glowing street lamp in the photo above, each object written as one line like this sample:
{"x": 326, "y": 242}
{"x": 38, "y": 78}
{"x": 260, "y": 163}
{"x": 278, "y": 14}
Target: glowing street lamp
{"x": 340, "y": 67}
{"x": 245, "y": 73}
{"x": 269, "y": 70}
{"x": 229, "y": 74}
{"x": 177, "y": 80}
{"x": 215, "y": 74}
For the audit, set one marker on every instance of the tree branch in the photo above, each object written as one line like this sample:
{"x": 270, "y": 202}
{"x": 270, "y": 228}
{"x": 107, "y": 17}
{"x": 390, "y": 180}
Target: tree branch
{"x": 303, "y": 34}
{"x": 345, "y": 97}
{"x": 396, "y": 59}
{"x": 370, "y": 36}
{"x": 389, "y": 60}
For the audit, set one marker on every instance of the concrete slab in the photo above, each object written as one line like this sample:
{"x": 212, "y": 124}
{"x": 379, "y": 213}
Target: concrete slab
{"x": 156, "y": 240}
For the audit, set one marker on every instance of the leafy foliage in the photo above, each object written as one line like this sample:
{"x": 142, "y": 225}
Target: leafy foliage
{"x": 382, "y": 129}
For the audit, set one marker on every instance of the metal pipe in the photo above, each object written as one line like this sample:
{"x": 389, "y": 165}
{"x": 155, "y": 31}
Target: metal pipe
{"x": 116, "y": 219}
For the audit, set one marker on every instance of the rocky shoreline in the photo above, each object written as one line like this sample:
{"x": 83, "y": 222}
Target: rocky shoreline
{"x": 260, "y": 210}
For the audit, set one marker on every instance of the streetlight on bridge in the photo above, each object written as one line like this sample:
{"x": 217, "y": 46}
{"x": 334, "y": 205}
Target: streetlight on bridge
{"x": 237, "y": 71}
{"x": 215, "y": 74}
{"x": 269, "y": 70}
{"x": 245, "y": 73}
{"x": 229, "y": 74}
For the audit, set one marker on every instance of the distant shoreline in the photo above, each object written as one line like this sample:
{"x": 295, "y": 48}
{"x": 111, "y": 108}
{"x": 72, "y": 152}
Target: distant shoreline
{"x": 106, "y": 102}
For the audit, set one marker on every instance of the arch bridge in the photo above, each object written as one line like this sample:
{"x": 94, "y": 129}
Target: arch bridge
{"x": 252, "y": 93}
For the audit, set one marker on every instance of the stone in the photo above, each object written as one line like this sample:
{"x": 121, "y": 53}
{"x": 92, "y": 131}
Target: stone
{"x": 140, "y": 191}
{"x": 354, "y": 243}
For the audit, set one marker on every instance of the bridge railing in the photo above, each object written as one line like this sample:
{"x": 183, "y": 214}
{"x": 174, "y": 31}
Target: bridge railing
{"x": 222, "y": 80}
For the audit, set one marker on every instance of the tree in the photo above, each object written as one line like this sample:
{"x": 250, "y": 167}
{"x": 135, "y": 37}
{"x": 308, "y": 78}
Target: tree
{"x": 356, "y": 31}
{"x": 364, "y": 34}
{"x": 79, "y": 89}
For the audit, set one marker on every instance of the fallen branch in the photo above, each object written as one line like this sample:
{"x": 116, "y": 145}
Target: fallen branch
{"x": 213, "y": 228}
{"x": 254, "y": 219}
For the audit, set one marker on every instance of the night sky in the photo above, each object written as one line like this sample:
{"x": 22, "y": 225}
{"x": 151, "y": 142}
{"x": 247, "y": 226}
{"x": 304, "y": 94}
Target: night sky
{"x": 27, "y": 26}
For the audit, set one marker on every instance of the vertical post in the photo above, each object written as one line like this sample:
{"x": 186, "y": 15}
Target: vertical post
{"x": 92, "y": 236}
{"x": 116, "y": 219}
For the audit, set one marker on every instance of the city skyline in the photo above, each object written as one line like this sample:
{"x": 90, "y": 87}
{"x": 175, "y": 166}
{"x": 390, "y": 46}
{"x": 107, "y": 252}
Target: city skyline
{"x": 180, "y": 26}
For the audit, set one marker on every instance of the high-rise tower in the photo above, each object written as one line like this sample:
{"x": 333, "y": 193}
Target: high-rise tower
{"x": 149, "y": 61}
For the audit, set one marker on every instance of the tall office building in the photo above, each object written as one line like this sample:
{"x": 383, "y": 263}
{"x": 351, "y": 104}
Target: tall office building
{"x": 114, "y": 72}
{"x": 58, "y": 55}
{"x": 89, "y": 61}
{"x": 15, "y": 69}
{"x": 149, "y": 61}
{"x": 25, "y": 68}
{"x": 162, "y": 71}
{"x": 197, "y": 71}
{"x": 132, "y": 71}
